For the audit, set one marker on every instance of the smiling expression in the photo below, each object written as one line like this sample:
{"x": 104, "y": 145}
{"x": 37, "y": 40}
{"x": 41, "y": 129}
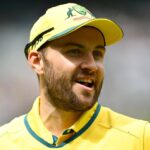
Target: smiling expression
{"x": 73, "y": 69}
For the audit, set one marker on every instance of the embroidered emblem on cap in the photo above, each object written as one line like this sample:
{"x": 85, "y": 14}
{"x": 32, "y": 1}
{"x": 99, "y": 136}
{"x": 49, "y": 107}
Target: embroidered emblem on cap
{"x": 80, "y": 10}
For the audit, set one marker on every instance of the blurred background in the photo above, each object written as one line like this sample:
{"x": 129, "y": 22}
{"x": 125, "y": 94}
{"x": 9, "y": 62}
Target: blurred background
{"x": 126, "y": 87}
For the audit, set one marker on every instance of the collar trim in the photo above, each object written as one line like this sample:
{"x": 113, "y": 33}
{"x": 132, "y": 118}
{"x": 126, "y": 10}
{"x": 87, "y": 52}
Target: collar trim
{"x": 42, "y": 141}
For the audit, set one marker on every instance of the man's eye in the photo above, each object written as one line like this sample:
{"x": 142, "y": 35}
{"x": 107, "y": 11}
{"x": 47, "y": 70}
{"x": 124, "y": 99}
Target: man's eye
{"x": 74, "y": 52}
{"x": 97, "y": 54}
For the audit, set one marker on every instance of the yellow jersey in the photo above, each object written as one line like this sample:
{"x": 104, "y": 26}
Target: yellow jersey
{"x": 99, "y": 128}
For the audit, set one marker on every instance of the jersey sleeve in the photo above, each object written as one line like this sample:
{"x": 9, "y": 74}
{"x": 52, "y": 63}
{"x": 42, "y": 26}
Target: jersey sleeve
{"x": 147, "y": 137}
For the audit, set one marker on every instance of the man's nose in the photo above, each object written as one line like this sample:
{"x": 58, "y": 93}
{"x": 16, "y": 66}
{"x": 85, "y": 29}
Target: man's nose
{"x": 89, "y": 63}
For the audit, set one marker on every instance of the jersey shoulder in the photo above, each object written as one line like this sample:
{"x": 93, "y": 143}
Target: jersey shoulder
{"x": 123, "y": 123}
{"x": 147, "y": 137}
{"x": 12, "y": 128}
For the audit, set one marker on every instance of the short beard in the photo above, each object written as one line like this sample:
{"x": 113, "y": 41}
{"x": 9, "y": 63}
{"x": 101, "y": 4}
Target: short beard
{"x": 58, "y": 91}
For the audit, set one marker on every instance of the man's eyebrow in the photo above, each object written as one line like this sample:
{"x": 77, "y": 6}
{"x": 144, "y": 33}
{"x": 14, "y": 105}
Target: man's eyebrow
{"x": 73, "y": 44}
{"x": 100, "y": 47}
{"x": 81, "y": 46}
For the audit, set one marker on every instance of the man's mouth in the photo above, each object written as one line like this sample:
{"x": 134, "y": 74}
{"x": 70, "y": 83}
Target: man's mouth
{"x": 86, "y": 82}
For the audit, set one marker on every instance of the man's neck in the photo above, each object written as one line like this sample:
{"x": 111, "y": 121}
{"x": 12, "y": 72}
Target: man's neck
{"x": 56, "y": 120}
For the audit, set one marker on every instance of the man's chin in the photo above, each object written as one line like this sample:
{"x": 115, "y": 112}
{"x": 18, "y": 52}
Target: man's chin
{"x": 85, "y": 104}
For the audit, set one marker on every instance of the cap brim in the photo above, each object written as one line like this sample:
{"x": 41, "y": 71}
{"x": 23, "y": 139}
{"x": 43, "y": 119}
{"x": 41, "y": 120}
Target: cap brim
{"x": 112, "y": 32}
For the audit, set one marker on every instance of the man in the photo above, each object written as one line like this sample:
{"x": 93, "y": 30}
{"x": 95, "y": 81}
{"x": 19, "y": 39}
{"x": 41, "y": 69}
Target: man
{"x": 66, "y": 51}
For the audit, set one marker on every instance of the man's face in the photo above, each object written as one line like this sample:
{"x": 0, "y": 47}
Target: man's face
{"x": 73, "y": 69}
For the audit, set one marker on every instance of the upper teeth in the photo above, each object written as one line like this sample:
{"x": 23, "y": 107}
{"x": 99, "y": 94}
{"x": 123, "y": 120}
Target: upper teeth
{"x": 85, "y": 80}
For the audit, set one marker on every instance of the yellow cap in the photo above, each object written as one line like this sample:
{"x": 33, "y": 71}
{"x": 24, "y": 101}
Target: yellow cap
{"x": 64, "y": 19}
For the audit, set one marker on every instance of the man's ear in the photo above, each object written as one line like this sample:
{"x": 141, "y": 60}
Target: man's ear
{"x": 36, "y": 62}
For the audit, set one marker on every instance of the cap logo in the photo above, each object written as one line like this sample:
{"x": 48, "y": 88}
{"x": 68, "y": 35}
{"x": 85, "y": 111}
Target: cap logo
{"x": 80, "y": 10}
